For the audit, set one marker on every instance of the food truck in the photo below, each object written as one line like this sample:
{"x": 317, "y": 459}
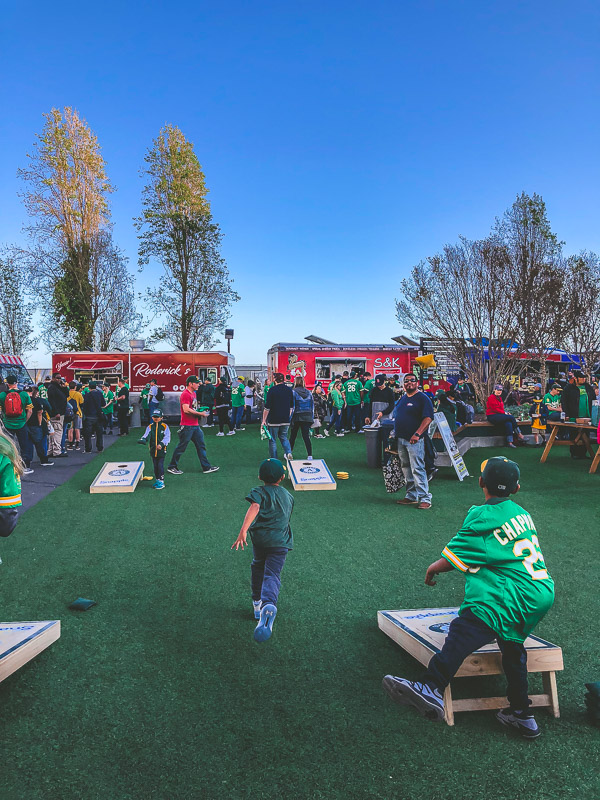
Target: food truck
{"x": 321, "y": 362}
{"x": 139, "y": 366}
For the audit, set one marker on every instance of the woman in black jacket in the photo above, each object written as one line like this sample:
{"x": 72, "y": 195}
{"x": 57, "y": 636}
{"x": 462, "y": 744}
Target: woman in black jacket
{"x": 222, "y": 406}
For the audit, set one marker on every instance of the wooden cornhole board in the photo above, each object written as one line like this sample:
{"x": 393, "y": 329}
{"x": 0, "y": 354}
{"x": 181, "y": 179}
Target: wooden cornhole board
{"x": 118, "y": 476}
{"x": 422, "y": 633}
{"x": 311, "y": 475}
{"x": 22, "y": 641}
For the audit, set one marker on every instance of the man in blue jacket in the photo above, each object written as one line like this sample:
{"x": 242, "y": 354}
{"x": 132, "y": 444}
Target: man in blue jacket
{"x": 413, "y": 414}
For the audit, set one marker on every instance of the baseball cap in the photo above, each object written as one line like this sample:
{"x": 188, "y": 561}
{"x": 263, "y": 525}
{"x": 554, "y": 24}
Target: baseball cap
{"x": 271, "y": 470}
{"x": 499, "y": 387}
{"x": 93, "y": 384}
{"x": 157, "y": 413}
{"x": 500, "y": 476}
{"x": 193, "y": 379}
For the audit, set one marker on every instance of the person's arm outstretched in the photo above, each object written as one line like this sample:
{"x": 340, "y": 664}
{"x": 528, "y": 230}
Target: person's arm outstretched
{"x": 441, "y": 565}
{"x": 251, "y": 515}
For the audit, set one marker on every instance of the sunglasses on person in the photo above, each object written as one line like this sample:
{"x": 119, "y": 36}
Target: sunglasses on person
{"x": 410, "y": 380}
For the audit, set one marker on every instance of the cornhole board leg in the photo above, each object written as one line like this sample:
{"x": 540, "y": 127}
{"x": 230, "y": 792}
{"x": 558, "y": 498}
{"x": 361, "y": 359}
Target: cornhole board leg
{"x": 549, "y": 683}
{"x": 22, "y": 641}
{"x": 448, "y": 706}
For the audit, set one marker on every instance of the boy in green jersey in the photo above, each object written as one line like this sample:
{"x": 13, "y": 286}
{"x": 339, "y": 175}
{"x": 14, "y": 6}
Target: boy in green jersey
{"x": 508, "y": 591}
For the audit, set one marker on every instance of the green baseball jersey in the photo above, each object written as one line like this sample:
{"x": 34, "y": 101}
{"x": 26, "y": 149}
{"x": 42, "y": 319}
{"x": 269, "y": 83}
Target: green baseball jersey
{"x": 109, "y": 398}
{"x": 507, "y": 583}
{"x": 367, "y": 387}
{"x": 10, "y": 484}
{"x": 338, "y": 400}
{"x": 144, "y": 397}
{"x": 353, "y": 389}
{"x": 237, "y": 396}
{"x": 552, "y": 401}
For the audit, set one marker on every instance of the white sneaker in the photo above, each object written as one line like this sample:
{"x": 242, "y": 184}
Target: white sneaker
{"x": 309, "y": 458}
{"x": 339, "y": 434}
{"x": 27, "y": 471}
{"x": 240, "y": 429}
{"x": 289, "y": 456}
{"x": 220, "y": 434}
{"x": 231, "y": 433}
{"x": 326, "y": 432}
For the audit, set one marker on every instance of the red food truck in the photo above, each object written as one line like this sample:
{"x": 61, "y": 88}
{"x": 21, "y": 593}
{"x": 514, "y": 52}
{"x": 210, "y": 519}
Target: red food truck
{"x": 320, "y": 362}
{"x": 138, "y": 367}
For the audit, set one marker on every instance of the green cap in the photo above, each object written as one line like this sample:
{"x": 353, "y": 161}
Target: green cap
{"x": 271, "y": 470}
{"x": 157, "y": 413}
{"x": 193, "y": 379}
{"x": 500, "y": 476}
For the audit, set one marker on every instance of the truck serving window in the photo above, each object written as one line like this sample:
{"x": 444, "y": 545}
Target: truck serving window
{"x": 18, "y": 370}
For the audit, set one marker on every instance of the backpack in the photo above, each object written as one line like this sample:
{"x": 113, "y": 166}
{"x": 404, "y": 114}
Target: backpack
{"x": 160, "y": 395}
{"x": 303, "y": 405}
{"x": 13, "y": 405}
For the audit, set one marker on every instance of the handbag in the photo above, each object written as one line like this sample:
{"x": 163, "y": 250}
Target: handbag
{"x": 316, "y": 423}
{"x": 393, "y": 477}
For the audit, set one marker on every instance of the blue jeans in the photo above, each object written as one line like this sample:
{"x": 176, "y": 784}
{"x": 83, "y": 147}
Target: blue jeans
{"x": 354, "y": 417}
{"x": 335, "y": 419}
{"x": 63, "y": 441}
{"x": 281, "y": 432}
{"x": 187, "y": 434}
{"x": 466, "y": 634}
{"x": 412, "y": 461}
{"x": 266, "y": 570}
{"x": 236, "y": 416}
{"x": 508, "y": 421}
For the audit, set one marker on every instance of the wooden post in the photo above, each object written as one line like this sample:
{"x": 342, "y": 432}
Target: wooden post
{"x": 448, "y": 707}
{"x": 549, "y": 682}
{"x": 549, "y": 445}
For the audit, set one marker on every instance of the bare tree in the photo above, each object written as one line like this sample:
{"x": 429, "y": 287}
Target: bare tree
{"x": 462, "y": 297}
{"x": 16, "y": 309}
{"x": 582, "y": 334}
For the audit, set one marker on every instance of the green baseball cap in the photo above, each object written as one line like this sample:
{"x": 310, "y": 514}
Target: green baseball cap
{"x": 500, "y": 476}
{"x": 193, "y": 379}
{"x": 157, "y": 413}
{"x": 271, "y": 470}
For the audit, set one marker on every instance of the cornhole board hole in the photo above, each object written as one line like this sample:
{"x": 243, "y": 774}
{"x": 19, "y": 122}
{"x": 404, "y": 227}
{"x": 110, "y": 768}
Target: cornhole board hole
{"x": 22, "y": 641}
{"x": 422, "y": 633}
{"x": 311, "y": 475}
{"x": 118, "y": 476}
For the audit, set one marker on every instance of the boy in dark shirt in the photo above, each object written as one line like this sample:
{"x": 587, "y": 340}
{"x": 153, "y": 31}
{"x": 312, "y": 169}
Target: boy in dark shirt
{"x": 268, "y": 522}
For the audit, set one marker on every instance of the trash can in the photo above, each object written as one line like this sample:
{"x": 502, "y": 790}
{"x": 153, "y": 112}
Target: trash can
{"x": 373, "y": 440}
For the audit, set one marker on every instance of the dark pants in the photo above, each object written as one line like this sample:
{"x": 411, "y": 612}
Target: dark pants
{"x": 93, "y": 425}
{"x": 108, "y": 421}
{"x": 145, "y": 415}
{"x": 366, "y": 413}
{"x": 187, "y": 434}
{"x": 354, "y": 417}
{"x": 468, "y": 633}
{"x": 36, "y": 437}
{"x": 21, "y": 436}
{"x": 266, "y": 570}
{"x": 247, "y": 415}
{"x": 511, "y": 427}
{"x": 159, "y": 466}
{"x": 223, "y": 418}
{"x": 123, "y": 417}
{"x": 304, "y": 427}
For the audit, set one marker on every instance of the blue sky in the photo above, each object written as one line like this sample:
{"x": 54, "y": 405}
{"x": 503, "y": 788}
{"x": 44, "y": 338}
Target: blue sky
{"x": 341, "y": 142}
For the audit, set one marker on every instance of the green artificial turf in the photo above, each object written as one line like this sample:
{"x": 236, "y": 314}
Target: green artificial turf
{"x": 160, "y": 691}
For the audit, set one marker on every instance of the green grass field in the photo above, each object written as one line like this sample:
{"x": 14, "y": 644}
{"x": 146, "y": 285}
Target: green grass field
{"x": 161, "y": 692}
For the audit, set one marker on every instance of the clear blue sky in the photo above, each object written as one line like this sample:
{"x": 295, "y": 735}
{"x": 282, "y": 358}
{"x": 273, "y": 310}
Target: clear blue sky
{"x": 341, "y": 142}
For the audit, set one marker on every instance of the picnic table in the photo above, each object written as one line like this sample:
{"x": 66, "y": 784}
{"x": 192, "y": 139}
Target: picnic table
{"x": 582, "y": 436}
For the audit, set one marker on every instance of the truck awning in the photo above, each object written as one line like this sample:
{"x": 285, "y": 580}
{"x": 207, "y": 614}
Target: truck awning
{"x": 96, "y": 366}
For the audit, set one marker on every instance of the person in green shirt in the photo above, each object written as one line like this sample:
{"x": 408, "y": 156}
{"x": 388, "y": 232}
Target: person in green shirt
{"x": 145, "y": 405}
{"x": 237, "y": 405}
{"x": 552, "y": 402}
{"x": 352, "y": 391}
{"x": 368, "y": 384}
{"x": 107, "y": 409}
{"x": 268, "y": 523}
{"x": 16, "y": 409}
{"x": 508, "y": 590}
{"x": 11, "y": 470}
{"x": 337, "y": 404}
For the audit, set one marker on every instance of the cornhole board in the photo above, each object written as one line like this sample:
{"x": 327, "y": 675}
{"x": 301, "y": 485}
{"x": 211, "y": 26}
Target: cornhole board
{"x": 422, "y": 633}
{"x": 310, "y": 475}
{"x": 22, "y": 641}
{"x": 118, "y": 476}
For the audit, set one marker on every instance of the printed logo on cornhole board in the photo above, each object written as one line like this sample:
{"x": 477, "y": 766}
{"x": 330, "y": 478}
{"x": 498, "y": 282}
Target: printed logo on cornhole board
{"x": 116, "y": 477}
{"x": 310, "y": 475}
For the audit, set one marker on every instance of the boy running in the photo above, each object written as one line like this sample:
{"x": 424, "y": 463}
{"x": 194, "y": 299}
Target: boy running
{"x": 268, "y": 521}
{"x": 508, "y": 591}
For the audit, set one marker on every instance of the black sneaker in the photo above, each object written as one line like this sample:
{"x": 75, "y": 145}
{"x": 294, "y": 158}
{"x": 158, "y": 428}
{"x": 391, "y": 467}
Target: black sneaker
{"x": 62, "y": 455}
{"x": 212, "y": 469}
{"x": 522, "y": 722}
{"x": 174, "y": 471}
{"x": 428, "y": 702}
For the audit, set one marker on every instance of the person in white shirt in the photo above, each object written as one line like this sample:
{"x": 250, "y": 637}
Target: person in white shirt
{"x": 249, "y": 395}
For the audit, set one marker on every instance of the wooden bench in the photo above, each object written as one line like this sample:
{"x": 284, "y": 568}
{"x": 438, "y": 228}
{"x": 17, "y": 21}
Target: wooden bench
{"x": 422, "y": 632}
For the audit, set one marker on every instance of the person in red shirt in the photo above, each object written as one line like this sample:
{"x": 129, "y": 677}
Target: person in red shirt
{"x": 190, "y": 430}
{"x": 494, "y": 411}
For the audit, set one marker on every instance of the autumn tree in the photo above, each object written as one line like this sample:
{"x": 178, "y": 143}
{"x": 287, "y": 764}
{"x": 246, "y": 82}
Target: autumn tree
{"x": 582, "y": 301}
{"x": 16, "y": 309}
{"x": 65, "y": 195}
{"x": 176, "y": 229}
